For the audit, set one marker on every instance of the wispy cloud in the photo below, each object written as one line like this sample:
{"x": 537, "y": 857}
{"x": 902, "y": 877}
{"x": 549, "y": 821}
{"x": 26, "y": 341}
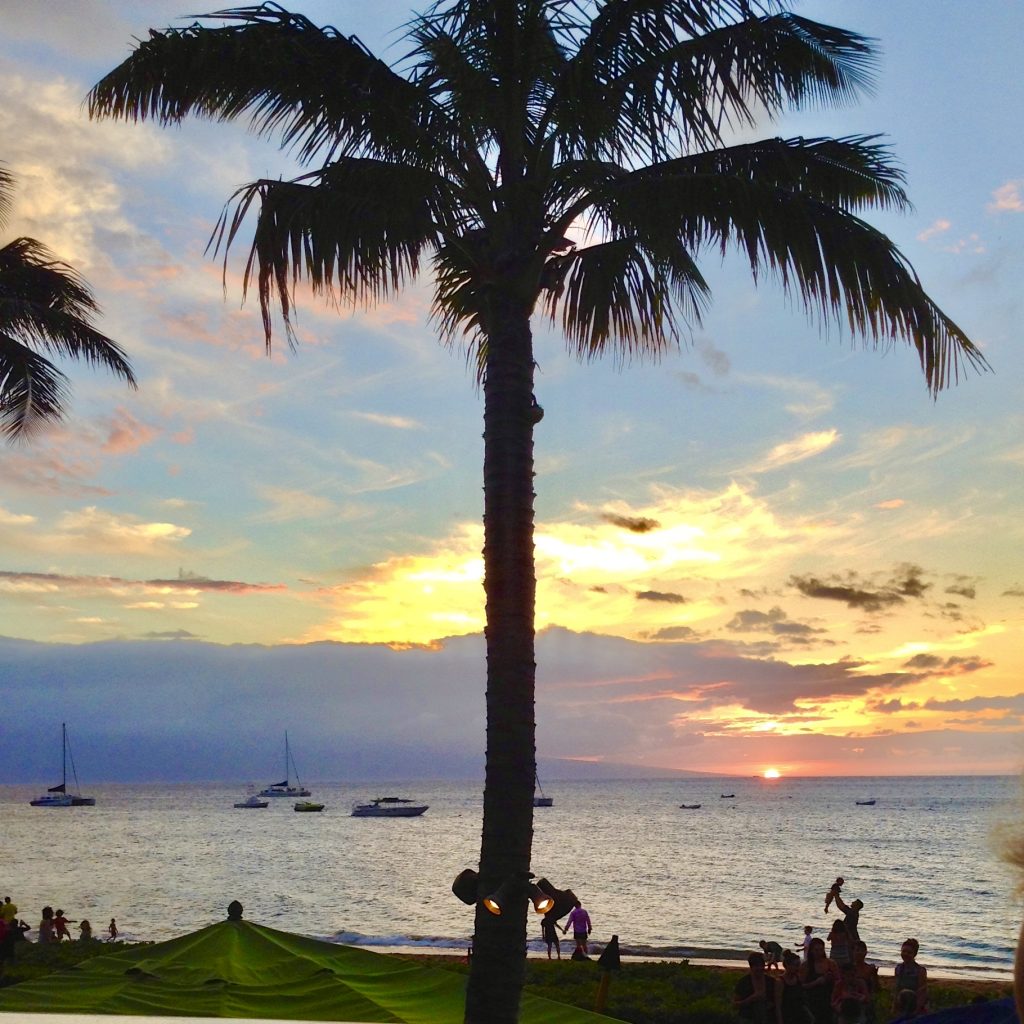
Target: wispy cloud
{"x": 938, "y": 227}
{"x": 1007, "y": 198}
{"x": 382, "y": 420}
{"x": 797, "y": 450}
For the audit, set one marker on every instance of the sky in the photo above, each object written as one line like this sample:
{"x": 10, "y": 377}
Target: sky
{"x": 772, "y": 549}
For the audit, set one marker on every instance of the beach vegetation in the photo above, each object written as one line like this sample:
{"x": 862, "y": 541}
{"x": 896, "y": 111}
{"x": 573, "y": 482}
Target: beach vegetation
{"x": 559, "y": 159}
{"x": 47, "y": 311}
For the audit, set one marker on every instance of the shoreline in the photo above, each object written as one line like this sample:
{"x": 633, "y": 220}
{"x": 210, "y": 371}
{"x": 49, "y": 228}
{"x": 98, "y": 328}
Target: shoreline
{"x": 720, "y": 959}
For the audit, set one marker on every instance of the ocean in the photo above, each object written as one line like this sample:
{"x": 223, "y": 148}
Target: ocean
{"x": 166, "y": 859}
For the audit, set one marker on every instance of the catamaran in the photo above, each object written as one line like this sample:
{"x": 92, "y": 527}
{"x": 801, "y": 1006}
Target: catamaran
{"x": 58, "y": 796}
{"x": 285, "y": 788}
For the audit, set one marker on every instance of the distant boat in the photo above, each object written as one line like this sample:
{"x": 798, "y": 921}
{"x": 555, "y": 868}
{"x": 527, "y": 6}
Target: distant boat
{"x": 252, "y": 802}
{"x": 285, "y": 788}
{"x": 690, "y": 807}
{"x": 388, "y": 807}
{"x": 865, "y": 803}
{"x": 58, "y": 796}
{"x": 727, "y": 796}
{"x": 308, "y": 805}
{"x": 539, "y": 799}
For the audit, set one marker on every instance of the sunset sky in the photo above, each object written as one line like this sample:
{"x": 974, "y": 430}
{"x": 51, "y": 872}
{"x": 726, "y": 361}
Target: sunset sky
{"x": 772, "y": 549}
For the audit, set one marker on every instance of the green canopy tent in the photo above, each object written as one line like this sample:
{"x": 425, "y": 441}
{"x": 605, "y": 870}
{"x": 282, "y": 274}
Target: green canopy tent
{"x": 239, "y": 969}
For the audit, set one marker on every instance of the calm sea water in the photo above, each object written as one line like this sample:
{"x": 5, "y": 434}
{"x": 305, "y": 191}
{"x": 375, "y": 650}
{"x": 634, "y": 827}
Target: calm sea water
{"x": 164, "y": 859}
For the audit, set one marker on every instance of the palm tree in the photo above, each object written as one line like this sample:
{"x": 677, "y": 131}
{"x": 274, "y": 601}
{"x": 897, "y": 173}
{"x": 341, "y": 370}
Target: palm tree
{"x": 45, "y": 307}
{"x": 510, "y": 124}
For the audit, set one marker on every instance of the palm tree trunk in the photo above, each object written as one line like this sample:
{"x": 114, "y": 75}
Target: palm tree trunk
{"x": 499, "y": 946}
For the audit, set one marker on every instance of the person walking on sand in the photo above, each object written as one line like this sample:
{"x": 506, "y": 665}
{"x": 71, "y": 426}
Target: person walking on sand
{"x": 549, "y": 930}
{"x": 579, "y": 921}
{"x": 112, "y": 929}
{"x": 806, "y": 942}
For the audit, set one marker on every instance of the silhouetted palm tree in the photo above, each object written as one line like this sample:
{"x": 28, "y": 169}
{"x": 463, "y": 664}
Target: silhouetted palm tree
{"x": 510, "y": 124}
{"x": 45, "y": 307}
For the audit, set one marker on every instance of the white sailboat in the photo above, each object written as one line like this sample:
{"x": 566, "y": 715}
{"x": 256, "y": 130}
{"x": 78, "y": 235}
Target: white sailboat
{"x": 58, "y": 796}
{"x": 285, "y": 788}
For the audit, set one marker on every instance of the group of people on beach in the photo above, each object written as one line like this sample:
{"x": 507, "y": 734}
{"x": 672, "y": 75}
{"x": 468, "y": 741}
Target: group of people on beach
{"x": 828, "y": 986}
{"x": 53, "y": 927}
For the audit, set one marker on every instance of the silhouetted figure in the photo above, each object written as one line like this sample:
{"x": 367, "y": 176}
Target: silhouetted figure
{"x": 579, "y": 921}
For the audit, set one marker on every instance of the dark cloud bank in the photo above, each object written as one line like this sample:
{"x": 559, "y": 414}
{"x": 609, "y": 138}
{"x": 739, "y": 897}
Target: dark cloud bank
{"x": 181, "y": 709}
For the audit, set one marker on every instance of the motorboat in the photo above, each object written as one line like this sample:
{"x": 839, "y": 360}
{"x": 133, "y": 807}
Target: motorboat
{"x": 727, "y": 796}
{"x": 388, "y": 807}
{"x": 58, "y": 796}
{"x": 252, "y": 802}
{"x": 690, "y": 807}
{"x": 865, "y": 803}
{"x": 308, "y": 806}
{"x": 539, "y": 799}
{"x": 285, "y": 788}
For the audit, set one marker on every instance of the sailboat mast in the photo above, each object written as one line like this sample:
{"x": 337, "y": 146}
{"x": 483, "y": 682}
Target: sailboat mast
{"x": 64, "y": 756}
{"x": 287, "y": 758}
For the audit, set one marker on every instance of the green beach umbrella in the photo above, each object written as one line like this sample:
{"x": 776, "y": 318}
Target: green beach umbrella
{"x": 239, "y": 969}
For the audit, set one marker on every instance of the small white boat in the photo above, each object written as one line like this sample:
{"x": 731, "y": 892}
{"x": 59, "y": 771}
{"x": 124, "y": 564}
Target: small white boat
{"x": 539, "y": 799}
{"x": 252, "y": 801}
{"x": 308, "y": 806}
{"x": 58, "y": 796}
{"x": 285, "y": 788}
{"x": 388, "y": 807}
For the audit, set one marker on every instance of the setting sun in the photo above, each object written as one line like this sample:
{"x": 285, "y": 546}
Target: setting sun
{"x": 771, "y": 773}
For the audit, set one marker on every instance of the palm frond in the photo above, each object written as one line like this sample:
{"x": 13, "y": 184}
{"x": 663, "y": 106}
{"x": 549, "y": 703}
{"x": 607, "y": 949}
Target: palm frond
{"x": 46, "y": 304}
{"x": 318, "y": 90}
{"x": 663, "y": 85}
{"x": 6, "y": 192}
{"x": 624, "y": 295}
{"x": 355, "y": 231}
{"x": 839, "y": 266}
{"x": 32, "y": 390}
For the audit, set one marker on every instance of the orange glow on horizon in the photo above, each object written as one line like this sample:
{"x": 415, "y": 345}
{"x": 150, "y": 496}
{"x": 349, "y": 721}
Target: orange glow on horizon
{"x": 772, "y": 773}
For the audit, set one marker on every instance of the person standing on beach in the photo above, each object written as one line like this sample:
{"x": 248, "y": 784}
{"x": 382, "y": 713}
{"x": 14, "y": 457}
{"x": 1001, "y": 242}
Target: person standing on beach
{"x": 818, "y": 977}
{"x": 792, "y": 1001}
{"x": 46, "y": 929}
{"x": 839, "y": 939}
{"x": 549, "y": 930}
{"x": 868, "y": 974}
{"x": 806, "y": 942}
{"x": 9, "y": 910}
{"x": 579, "y": 921}
{"x": 755, "y": 998}
{"x": 910, "y": 997}
{"x": 851, "y": 915}
{"x": 112, "y": 929}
